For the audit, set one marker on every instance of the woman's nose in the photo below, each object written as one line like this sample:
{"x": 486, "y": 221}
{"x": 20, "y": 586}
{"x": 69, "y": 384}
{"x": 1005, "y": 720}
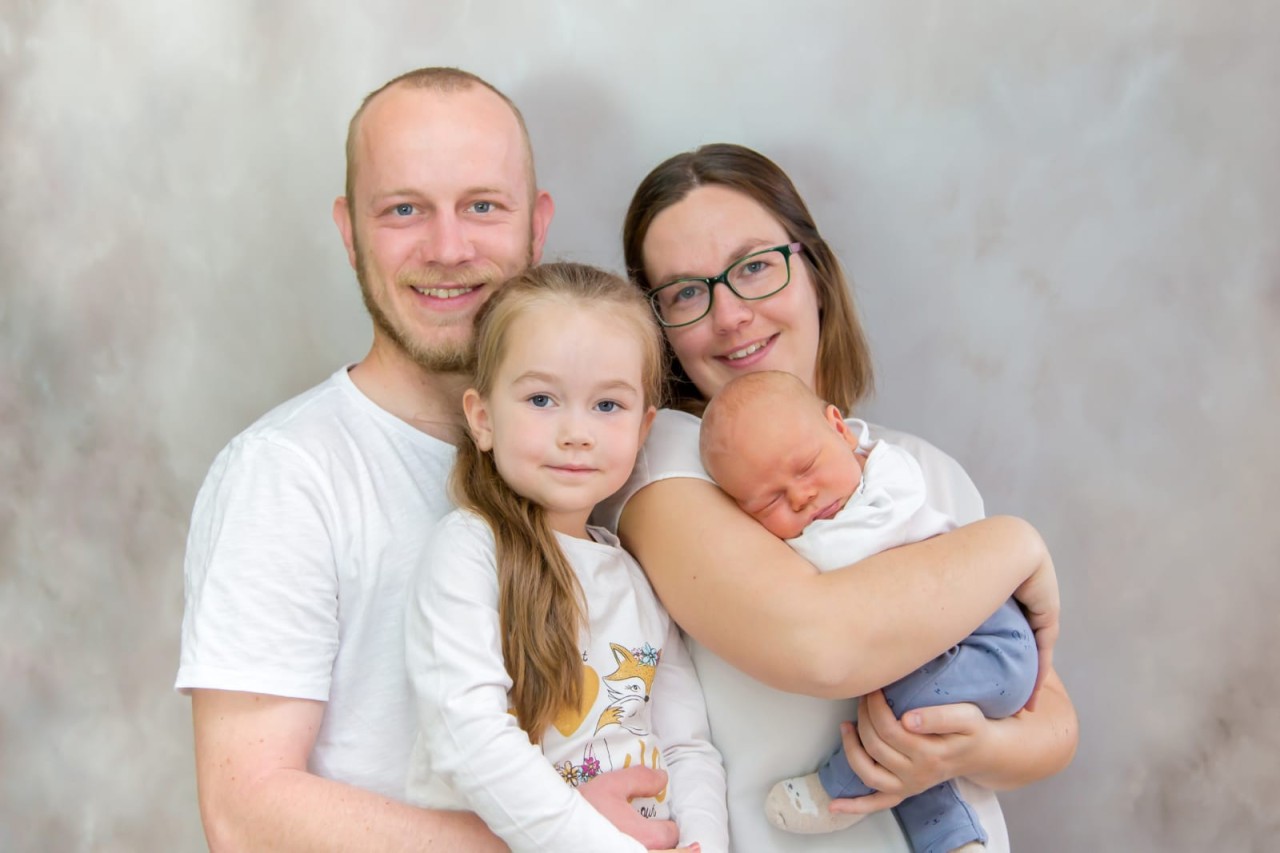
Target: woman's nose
{"x": 728, "y": 310}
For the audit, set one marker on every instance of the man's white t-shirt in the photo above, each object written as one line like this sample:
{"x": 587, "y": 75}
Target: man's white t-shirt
{"x": 303, "y": 538}
{"x": 765, "y": 735}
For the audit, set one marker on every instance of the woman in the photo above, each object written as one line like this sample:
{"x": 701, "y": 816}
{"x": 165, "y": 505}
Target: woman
{"x": 760, "y": 619}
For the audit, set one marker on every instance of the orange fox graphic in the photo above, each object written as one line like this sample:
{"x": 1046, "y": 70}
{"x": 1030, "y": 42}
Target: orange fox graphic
{"x": 629, "y": 686}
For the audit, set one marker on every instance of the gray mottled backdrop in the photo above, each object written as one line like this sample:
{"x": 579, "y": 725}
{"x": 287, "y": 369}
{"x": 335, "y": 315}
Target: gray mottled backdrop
{"x": 1062, "y": 219}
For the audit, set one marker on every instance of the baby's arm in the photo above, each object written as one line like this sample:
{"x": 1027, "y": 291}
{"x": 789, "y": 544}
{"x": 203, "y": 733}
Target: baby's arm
{"x": 454, "y": 655}
{"x": 694, "y": 766}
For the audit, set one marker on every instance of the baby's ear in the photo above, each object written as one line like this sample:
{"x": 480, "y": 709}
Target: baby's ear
{"x": 837, "y": 423}
{"x": 832, "y": 414}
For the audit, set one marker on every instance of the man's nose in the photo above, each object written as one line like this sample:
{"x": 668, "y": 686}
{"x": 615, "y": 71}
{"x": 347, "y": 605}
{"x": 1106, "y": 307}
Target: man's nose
{"x": 449, "y": 244}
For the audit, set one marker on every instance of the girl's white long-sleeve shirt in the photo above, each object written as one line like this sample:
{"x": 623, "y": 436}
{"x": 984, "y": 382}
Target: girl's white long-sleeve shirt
{"x": 642, "y": 703}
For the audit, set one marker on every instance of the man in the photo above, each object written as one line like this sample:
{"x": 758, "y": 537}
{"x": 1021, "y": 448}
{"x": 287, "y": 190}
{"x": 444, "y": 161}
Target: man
{"x": 310, "y": 522}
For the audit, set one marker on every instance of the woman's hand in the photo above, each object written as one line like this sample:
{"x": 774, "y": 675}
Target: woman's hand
{"x": 901, "y": 759}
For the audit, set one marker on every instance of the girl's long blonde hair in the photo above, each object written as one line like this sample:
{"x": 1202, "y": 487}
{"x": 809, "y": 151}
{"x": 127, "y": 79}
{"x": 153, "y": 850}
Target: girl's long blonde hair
{"x": 540, "y": 604}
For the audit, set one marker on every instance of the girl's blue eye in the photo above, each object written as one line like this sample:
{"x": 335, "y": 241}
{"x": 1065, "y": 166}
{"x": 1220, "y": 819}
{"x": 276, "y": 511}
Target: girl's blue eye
{"x": 607, "y": 406}
{"x": 541, "y": 401}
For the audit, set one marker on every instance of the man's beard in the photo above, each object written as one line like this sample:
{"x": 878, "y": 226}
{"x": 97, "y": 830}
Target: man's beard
{"x": 447, "y": 356}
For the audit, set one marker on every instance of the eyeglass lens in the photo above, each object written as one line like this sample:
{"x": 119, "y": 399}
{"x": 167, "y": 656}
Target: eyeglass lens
{"x": 754, "y": 277}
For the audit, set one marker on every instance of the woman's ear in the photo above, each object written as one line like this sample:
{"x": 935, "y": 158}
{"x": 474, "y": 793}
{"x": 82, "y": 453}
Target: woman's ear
{"x": 477, "y": 412}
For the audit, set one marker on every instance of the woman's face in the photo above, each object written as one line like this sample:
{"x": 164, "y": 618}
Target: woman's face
{"x": 702, "y": 235}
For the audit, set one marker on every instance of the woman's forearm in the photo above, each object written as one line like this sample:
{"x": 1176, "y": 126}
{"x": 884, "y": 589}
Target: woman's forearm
{"x": 918, "y": 600}
{"x": 1030, "y": 745}
{"x": 749, "y": 598}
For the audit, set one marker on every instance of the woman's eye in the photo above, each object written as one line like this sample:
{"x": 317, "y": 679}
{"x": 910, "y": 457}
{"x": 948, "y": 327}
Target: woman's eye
{"x": 540, "y": 401}
{"x": 684, "y": 294}
{"x": 754, "y": 267}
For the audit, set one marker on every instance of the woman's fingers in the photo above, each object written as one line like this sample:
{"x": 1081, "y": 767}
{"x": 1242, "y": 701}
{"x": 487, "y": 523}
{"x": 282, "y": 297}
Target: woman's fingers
{"x": 872, "y": 774}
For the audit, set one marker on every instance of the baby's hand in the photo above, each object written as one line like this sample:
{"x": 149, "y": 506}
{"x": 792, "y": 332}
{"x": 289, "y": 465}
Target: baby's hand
{"x": 1038, "y": 596}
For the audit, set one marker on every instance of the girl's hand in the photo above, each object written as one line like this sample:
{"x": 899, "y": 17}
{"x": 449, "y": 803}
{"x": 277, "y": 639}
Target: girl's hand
{"x": 900, "y": 759}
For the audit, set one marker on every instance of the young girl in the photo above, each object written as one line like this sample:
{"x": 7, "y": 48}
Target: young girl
{"x": 538, "y": 653}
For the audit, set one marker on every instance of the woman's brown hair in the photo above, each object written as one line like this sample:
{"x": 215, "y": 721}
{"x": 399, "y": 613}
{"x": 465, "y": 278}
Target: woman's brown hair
{"x": 540, "y": 604}
{"x": 844, "y": 372}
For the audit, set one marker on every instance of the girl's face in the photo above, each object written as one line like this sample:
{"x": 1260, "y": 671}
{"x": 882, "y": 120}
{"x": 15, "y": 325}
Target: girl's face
{"x": 703, "y": 234}
{"x": 566, "y": 414}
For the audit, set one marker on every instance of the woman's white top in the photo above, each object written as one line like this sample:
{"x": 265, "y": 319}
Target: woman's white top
{"x": 764, "y": 734}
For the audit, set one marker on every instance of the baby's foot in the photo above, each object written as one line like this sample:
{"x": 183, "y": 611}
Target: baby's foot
{"x": 801, "y": 805}
{"x": 971, "y": 847}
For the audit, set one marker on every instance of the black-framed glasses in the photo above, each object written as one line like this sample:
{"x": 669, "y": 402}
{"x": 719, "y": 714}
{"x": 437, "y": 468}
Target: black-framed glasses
{"x": 759, "y": 275}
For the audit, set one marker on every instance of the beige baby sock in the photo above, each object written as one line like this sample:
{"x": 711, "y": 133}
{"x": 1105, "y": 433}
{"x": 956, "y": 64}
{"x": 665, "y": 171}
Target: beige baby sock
{"x": 800, "y": 805}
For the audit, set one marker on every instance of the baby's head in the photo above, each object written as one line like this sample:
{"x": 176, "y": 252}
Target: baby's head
{"x": 786, "y": 457}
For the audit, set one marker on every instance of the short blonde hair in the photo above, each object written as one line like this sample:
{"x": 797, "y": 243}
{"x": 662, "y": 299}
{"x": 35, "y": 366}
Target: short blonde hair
{"x": 438, "y": 79}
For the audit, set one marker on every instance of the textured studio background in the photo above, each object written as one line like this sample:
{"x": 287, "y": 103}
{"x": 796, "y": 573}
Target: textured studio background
{"x": 1062, "y": 219}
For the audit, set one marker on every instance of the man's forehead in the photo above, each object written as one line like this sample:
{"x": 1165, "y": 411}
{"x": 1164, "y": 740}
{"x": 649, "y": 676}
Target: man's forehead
{"x": 470, "y": 128}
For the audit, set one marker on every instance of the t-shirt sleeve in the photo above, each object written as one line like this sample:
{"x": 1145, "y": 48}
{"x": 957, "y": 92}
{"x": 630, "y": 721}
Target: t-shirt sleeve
{"x": 453, "y": 648}
{"x": 947, "y": 487}
{"x": 670, "y": 451}
{"x": 261, "y": 581}
{"x": 694, "y": 766}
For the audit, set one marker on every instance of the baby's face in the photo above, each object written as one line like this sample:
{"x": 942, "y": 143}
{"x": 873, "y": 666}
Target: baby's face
{"x": 787, "y": 469}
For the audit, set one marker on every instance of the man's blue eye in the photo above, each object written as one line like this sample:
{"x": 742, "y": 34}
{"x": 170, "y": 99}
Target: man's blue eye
{"x": 541, "y": 401}
{"x": 403, "y": 209}
{"x": 482, "y": 206}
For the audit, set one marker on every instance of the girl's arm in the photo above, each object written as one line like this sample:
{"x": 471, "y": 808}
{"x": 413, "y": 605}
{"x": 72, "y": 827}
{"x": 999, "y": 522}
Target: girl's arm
{"x": 694, "y": 766}
{"x": 749, "y": 598}
{"x": 473, "y": 745}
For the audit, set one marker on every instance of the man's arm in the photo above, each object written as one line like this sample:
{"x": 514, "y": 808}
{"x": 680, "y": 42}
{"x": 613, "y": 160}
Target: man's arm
{"x": 256, "y": 794}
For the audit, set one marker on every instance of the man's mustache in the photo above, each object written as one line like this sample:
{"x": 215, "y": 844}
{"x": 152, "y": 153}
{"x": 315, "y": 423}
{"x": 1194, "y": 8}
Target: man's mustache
{"x": 427, "y": 277}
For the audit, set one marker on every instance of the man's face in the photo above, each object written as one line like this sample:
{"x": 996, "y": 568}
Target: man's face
{"x": 442, "y": 213}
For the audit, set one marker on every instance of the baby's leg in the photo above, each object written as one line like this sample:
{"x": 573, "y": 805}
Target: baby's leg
{"x": 995, "y": 667}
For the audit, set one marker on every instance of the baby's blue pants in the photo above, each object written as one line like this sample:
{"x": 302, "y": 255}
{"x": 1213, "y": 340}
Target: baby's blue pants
{"x": 995, "y": 668}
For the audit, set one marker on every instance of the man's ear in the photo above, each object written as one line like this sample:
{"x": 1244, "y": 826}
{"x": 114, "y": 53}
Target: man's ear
{"x": 342, "y": 218}
{"x": 543, "y": 209}
{"x": 477, "y": 413}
